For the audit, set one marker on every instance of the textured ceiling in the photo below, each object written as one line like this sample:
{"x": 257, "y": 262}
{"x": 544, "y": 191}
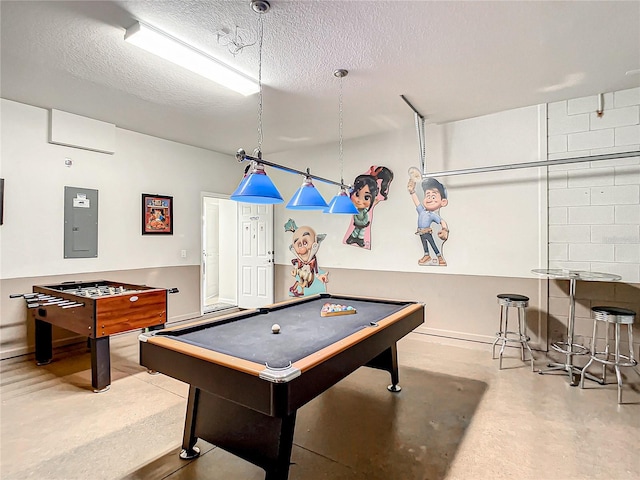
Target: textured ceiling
{"x": 451, "y": 60}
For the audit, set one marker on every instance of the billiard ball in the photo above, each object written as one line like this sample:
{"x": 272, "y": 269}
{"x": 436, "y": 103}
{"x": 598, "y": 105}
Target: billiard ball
{"x": 275, "y": 328}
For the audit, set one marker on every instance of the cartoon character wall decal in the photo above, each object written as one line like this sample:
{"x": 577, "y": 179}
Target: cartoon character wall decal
{"x": 290, "y": 226}
{"x": 368, "y": 190}
{"x": 384, "y": 176}
{"x": 429, "y": 219}
{"x": 309, "y": 279}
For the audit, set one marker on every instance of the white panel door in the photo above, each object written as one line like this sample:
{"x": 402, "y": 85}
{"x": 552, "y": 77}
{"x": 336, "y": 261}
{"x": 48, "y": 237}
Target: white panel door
{"x": 219, "y": 263}
{"x": 255, "y": 255}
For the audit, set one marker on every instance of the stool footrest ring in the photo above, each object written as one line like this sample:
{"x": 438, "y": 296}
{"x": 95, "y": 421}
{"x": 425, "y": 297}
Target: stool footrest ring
{"x": 629, "y": 362}
{"x": 576, "y": 348}
{"x": 518, "y": 337}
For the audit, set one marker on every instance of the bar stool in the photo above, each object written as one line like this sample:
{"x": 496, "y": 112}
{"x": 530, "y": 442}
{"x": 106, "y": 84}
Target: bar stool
{"x": 507, "y": 300}
{"x": 611, "y": 316}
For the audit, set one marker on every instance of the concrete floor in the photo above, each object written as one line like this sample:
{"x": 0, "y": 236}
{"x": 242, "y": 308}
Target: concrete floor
{"x": 458, "y": 417}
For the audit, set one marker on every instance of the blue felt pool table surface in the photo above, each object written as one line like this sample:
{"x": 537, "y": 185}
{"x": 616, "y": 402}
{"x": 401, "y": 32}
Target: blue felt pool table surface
{"x": 303, "y": 330}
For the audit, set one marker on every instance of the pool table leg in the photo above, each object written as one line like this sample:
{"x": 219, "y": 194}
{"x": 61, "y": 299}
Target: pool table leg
{"x": 151, "y": 329}
{"x": 189, "y": 439}
{"x": 100, "y": 364}
{"x": 388, "y": 360}
{"x": 261, "y": 439}
{"x": 280, "y": 470}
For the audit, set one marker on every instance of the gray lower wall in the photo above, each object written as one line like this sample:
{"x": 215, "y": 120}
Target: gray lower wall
{"x": 590, "y": 294}
{"x": 17, "y": 334}
{"x": 459, "y": 308}
{"x": 462, "y": 307}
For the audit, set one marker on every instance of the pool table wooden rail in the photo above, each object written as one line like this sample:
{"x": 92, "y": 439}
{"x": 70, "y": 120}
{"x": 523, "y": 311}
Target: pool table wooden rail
{"x": 253, "y": 368}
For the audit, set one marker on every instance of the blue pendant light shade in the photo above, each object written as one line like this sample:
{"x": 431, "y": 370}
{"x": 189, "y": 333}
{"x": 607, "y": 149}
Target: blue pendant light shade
{"x": 342, "y": 203}
{"x": 257, "y": 187}
{"x": 307, "y": 198}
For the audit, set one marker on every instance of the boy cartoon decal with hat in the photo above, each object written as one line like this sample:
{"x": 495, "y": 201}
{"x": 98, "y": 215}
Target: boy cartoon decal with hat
{"x": 429, "y": 220}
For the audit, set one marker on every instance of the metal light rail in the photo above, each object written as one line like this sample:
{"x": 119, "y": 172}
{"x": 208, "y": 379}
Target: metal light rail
{"x": 512, "y": 166}
{"x": 241, "y": 156}
{"x": 542, "y": 163}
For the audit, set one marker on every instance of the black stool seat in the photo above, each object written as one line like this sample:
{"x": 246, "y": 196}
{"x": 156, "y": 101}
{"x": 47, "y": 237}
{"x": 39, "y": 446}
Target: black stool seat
{"x": 514, "y": 297}
{"x": 616, "y": 314}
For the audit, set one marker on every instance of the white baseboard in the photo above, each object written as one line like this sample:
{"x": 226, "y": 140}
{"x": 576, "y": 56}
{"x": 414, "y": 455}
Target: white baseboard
{"x": 29, "y": 349}
{"x": 463, "y": 339}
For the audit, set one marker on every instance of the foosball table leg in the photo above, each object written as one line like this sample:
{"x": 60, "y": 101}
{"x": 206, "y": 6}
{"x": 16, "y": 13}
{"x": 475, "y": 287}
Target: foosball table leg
{"x": 100, "y": 364}
{"x": 44, "y": 350}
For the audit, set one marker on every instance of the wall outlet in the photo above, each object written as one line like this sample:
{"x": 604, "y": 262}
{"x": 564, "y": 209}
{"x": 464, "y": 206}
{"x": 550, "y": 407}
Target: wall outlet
{"x": 183, "y": 253}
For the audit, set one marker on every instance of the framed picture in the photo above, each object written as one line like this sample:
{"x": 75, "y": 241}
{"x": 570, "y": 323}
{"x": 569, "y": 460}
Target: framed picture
{"x": 157, "y": 214}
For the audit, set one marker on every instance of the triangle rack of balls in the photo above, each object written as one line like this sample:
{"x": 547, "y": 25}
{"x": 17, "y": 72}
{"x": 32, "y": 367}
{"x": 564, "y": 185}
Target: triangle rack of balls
{"x": 333, "y": 309}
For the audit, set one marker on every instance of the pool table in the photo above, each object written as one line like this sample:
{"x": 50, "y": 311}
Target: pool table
{"x": 247, "y": 383}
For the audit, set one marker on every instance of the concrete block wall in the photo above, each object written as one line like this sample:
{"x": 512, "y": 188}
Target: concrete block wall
{"x": 594, "y": 207}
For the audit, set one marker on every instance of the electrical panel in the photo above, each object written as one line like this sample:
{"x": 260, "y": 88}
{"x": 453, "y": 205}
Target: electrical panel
{"x": 80, "y": 222}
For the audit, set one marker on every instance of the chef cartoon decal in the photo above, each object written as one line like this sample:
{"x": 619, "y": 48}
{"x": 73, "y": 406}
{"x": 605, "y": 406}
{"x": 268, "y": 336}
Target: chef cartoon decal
{"x": 309, "y": 279}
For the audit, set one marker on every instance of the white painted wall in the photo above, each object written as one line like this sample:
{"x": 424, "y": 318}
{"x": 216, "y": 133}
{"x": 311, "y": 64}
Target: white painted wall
{"x": 31, "y": 239}
{"x": 497, "y": 220}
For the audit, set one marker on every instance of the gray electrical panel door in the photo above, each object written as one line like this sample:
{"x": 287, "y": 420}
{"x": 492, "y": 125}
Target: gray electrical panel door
{"x": 80, "y": 222}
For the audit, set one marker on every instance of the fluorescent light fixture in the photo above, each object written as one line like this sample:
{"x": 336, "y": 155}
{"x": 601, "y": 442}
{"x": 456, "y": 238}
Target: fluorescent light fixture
{"x": 178, "y": 52}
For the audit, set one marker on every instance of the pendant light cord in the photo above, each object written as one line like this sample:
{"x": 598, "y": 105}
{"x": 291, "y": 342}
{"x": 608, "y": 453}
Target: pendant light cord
{"x": 260, "y": 34}
{"x": 340, "y": 132}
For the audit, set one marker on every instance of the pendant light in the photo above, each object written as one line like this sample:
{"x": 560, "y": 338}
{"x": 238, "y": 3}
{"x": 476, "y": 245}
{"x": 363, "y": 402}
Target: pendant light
{"x": 307, "y": 197}
{"x": 256, "y": 186}
{"x": 341, "y": 203}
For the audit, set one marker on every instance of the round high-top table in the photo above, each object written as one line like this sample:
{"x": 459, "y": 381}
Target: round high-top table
{"x": 569, "y": 348}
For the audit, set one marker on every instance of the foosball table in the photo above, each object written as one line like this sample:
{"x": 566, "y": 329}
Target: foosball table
{"x": 95, "y": 309}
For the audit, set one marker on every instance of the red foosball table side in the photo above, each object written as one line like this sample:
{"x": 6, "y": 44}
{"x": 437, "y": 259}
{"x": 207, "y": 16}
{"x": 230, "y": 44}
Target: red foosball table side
{"x": 124, "y": 307}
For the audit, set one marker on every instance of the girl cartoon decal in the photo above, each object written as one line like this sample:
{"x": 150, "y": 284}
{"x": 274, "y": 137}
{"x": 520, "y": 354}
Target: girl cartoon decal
{"x": 363, "y": 194}
{"x": 367, "y": 191}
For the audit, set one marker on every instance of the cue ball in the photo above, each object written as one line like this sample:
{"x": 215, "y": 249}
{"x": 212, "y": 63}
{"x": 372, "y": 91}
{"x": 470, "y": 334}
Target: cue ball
{"x": 275, "y": 328}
